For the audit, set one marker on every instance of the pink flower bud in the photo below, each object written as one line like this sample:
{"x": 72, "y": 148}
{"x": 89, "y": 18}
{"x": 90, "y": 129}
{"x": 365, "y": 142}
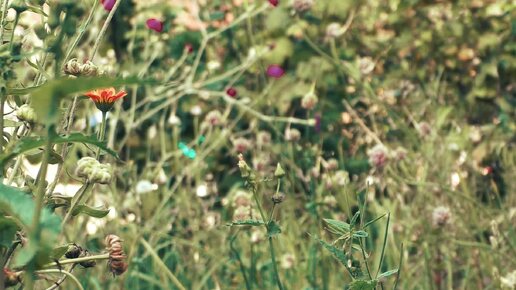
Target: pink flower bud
{"x": 231, "y": 92}
{"x": 108, "y": 4}
{"x": 274, "y": 3}
{"x": 275, "y": 71}
{"x": 154, "y": 24}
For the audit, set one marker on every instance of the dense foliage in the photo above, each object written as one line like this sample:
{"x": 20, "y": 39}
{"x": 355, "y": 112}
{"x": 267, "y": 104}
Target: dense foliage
{"x": 302, "y": 144}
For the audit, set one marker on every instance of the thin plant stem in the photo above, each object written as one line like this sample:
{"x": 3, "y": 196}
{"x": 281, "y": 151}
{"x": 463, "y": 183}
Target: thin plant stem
{"x": 240, "y": 263}
{"x": 16, "y": 19}
{"x": 274, "y": 266}
{"x": 104, "y": 28}
{"x": 60, "y": 271}
{"x": 384, "y": 244}
{"x": 80, "y": 194}
{"x": 77, "y": 260}
{"x": 102, "y": 132}
{"x": 162, "y": 265}
{"x": 82, "y": 30}
{"x": 399, "y": 269}
{"x": 5, "y": 5}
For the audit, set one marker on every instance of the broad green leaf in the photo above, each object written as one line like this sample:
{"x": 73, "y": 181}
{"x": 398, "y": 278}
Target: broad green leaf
{"x": 363, "y": 285}
{"x": 8, "y": 229}
{"x": 46, "y": 98}
{"x": 337, "y": 227}
{"x": 26, "y": 144}
{"x": 20, "y": 206}
{"x": 388, "y": 273}
{"x": 274, "y": 229}
{"x": 250, "y": 222}
{"x": 98, "y": 212}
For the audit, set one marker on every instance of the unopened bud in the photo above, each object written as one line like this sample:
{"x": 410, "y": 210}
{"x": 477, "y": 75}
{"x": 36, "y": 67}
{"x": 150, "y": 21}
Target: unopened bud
{"x": 278, "y": 198}
{"x": 26, "y": 113}
{"x": 309, "y": 99}
{"x": 279, "y": 172}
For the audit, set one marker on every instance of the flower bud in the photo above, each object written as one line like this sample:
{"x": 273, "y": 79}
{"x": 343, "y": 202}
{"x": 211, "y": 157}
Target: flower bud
{"x": 85, "y": 166}
{"x": 72, "y": 67}
{"x": 101, "y": 173}
{"x": 26, "y": 113}
{"x": 213, "y": 118}
{"x": 245, "y": 170}
{"x": 292, "y": 135}
{"x": 279, "y": 172}
{"x": 278, "y": 198}
{"x": 89, "y": 69}
{"x": 241, "y": 145}
{"x": 309, "y": 99}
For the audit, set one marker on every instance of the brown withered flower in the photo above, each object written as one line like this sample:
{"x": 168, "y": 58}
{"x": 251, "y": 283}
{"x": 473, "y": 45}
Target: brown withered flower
{"x": 116, "y": 263}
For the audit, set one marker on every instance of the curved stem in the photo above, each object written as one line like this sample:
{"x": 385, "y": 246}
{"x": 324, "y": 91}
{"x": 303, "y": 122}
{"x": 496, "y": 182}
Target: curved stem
{"x": 51, "y": 271}
{"x": 77, "y": 260}
{"x": 104, "y": 28}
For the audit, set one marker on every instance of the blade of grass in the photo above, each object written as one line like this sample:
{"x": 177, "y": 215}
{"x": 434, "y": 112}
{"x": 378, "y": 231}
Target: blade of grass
{"x": 162, "y": 265}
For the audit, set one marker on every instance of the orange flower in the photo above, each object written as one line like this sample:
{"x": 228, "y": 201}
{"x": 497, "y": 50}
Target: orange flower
{"x": 105, "y": 98}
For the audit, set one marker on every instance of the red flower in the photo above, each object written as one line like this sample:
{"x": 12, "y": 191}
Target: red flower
{"x": 274, "y": 2}
{"x": 154, "y": 24}
{"x": 231, "y": 92}
{"x": 105, "y": 98}
{"x": 189, "y": 47}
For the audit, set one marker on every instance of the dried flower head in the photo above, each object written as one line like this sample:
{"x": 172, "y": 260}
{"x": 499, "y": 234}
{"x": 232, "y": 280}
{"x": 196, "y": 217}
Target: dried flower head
{"x": 241, "y": 145}
{"x": 292, "y": 135}
{"x": 310, "y": 99}
{"x": 441, "y": 216}
{"x": 288, "y": 261}
{"x": 116, "y": 264}
{"x": 278, "y": 198}
{"x": 378, "y": 156}
{"x": 105, "y": 98}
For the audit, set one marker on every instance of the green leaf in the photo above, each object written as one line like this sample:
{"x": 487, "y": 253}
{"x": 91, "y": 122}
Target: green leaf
{"x": 373, "y": 221}
{"x": 249, "y": 222}
{"x": 337, "y": 227}
{"x": 360, "y": 234}
{"x": 8, "y": 229}
{"x": 273, "y": 229}
{"x": 363, "y": 285}
{"x": 336, "y": 253}
{"x": 58, "y": 252}
{"x": 388, "y": 273}
{"x": 46, "y": 98}
{"x": 98, "y": 212}
{"x": 20, "y": 206}
{"x": 26, "y": 144}
{"x": 354, "y": 219}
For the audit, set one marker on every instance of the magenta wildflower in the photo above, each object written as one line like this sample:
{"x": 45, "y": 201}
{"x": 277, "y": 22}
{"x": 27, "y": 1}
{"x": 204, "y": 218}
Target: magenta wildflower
{"x": 189, "y": 47}
{"x": 274, "y": 2}
{"x": 108, "y": 4}
{"x": 154, "y": 24}
{"x": 275, "y": 71}
{"x": 231, "y": 92}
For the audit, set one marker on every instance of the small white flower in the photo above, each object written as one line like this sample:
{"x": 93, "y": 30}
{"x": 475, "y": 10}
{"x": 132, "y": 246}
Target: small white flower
{"x": 145, "y": 186}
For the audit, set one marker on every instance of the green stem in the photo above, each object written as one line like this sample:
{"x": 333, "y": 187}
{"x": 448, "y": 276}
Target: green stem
{"x": 16, "y": 19}
{"x": 384, "y": 244}
{"x": 60, "y": 271}
{"x": 104, "y": 28}
{"x": 399, "y": 269}
{"x": 77, "y": 260}
{"x": 82, "y": 30}
{"x": 102, "y": 133}
{"x": 162, "y": 265}
{"x": 75, "y": 201}
{"x": 274, "y": 266}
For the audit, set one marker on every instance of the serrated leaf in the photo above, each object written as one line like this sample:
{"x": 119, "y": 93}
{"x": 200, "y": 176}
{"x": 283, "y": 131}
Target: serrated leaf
{"x": 336, "y": 253}
{"x": 253, "y": 223}
{"x": 337, "y": 227}
{"x": 273, "y": 229}
{"x": 97, "y": 212}
{"x": 363, "y": 285}
{"x": 388, "y": 273}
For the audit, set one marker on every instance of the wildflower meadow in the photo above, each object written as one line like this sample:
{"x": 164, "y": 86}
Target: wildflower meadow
{"x": 258, "y": 144}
